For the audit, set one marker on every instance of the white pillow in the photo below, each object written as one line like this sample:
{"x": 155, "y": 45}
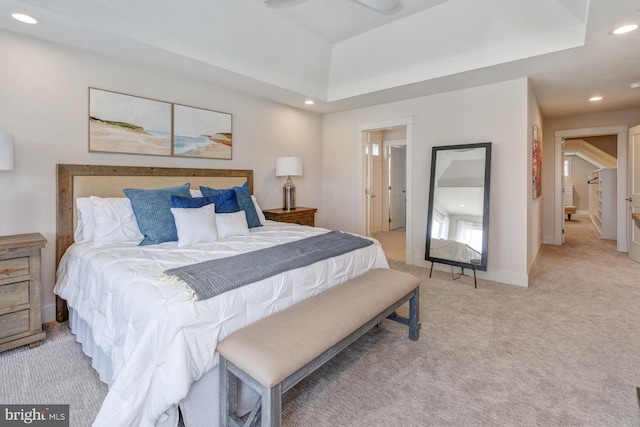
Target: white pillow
{"x": 195, "y": 193}
{"x": 261, "y": 217}
{"x": 195, "y": 225}
{"x": 86, "y": 224}
{"x": 115, "y": 221}
{"x": 232, "y": 224}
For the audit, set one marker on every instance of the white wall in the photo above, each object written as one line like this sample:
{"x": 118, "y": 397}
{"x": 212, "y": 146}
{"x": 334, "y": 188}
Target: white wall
{"x": 534, "y": 206}
{"x": 44, "y": 93}
{"x": 496, "y": 113}
{"x": 579, "y": 175}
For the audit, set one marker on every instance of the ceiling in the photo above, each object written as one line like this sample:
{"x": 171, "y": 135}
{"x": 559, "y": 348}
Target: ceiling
{"x": 344, "y": 55}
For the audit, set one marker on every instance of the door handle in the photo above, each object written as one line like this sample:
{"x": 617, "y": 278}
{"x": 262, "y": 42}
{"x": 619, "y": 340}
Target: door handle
{"x": 629, "y": 199}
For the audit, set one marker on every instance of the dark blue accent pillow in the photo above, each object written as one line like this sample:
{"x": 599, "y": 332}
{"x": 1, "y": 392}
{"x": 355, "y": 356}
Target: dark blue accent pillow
{"x": 243, "y": 198}
{"x": 190, "y": 202}
{"x": 153, "y": 212}
{"x": 225, "y": 202}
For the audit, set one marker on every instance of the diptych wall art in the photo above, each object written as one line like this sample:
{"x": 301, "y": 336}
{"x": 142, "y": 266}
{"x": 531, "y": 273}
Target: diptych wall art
{"x": 120, "y": 123}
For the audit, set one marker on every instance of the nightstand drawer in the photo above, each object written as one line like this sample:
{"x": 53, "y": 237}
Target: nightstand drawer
{"x": 14, "y": 294}
{"x": 14, "y": 267}
{"x": 300, "y": 215}
{"x": 302, "y": 220}
{"x": 14, "y": 323}
{"x": 20, "y": 288}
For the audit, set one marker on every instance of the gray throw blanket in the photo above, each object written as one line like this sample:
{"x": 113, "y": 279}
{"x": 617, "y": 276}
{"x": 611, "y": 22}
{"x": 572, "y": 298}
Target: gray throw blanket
{"x": 210, "y": 278}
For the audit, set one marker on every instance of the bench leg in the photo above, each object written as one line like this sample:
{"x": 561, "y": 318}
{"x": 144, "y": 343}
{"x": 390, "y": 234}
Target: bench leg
{"x": 414, "y": 315}
{"x": 228, "y": 393}
{"x": 272, "y": 406}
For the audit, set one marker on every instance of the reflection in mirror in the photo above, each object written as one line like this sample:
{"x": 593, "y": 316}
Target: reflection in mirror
{"x": 458, "y": 217}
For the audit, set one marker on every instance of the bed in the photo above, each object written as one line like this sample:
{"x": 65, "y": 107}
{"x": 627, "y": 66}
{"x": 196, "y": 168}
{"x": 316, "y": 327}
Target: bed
{"x": 454, "y": 251}
{"x": 148, "y": 339}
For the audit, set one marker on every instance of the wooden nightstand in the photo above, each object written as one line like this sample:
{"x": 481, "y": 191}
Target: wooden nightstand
{"x": 20, "y": 275}
{"x": 300, "y": 215}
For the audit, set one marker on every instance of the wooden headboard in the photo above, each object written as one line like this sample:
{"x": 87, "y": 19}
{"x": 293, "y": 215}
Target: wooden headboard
{"x": 108, "y": 181}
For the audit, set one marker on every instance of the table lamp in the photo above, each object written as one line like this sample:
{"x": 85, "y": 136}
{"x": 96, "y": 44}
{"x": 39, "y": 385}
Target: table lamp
{"x": 288, "y": 166}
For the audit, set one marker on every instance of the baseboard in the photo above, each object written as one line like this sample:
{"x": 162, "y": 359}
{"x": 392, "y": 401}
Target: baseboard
{"x": 535, "y": 262}
{"x": 507, "y": 277}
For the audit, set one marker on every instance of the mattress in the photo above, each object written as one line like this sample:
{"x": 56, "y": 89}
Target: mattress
{"x": 154, "y": 342}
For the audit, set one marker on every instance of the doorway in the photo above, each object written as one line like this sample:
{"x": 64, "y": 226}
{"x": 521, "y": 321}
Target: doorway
{"x": 386, "y": 185}
{"x": 620, "y": 133}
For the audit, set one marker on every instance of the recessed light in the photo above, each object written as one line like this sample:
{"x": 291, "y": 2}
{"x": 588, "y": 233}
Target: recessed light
{"x": 309, "y": 102}
{"x": 634, "y": 85}
{"x": 25, "y": 18}
{"x": 624, "y": 29}
{"x": 596, "y": 98}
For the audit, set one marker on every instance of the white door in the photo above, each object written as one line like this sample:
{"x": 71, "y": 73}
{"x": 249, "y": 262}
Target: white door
{"x": 376, "y": 189}
{"x": 634, "y": 192}
{"x": 366, "y": 149}
{"x": 563, "y": 187}
{"x": 397, "y": 187}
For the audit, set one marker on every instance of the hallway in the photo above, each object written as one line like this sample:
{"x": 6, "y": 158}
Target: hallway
{"x": 394, "y": 243}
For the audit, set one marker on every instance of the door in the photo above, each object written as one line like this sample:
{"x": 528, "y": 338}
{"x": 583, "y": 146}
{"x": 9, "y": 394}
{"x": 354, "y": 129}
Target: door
{"x": 634, "y": 193}
{"x": 376, "y": 188}
{"x": 397, "y": 187}
{"x": 564, "y": 174}
{"x": 366, "y": 149}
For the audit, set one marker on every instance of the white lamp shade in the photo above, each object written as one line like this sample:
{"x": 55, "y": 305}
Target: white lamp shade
{"x": 6, "y": 151}
{"x": 288, "y": 166}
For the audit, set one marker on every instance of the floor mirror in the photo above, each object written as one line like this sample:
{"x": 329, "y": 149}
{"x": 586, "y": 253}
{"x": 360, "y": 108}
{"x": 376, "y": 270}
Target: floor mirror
{"x": 458, "y": 216}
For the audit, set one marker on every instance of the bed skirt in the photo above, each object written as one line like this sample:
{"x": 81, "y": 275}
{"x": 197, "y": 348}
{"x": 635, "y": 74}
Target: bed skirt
{"x": 196, "y": 407}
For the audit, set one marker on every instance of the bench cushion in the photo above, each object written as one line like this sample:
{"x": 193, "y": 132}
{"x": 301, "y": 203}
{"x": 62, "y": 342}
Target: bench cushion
{"x": 275, "y": 347}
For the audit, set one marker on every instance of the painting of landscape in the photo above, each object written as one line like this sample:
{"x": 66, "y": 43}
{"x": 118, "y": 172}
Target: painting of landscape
{"x": 201, "y": 133}
{"x": 121, "y": 123}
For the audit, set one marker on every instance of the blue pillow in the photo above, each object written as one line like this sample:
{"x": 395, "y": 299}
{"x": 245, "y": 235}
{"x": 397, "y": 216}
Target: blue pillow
{"x": 190, "y": 202}
{"x": 225, "y": 202}
{"x": 243, "y": 198}
{"x": 153, "y": 212}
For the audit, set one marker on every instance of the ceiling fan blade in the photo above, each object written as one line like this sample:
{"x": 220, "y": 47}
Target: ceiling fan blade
{"x": 386, "y": 6}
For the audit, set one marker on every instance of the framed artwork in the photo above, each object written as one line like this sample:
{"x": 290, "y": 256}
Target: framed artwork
{"x": 201, "y": 133}
{"x": 127, "y": 124}
{"x": 121, "y": 123}
{"x": 536, "y": 163}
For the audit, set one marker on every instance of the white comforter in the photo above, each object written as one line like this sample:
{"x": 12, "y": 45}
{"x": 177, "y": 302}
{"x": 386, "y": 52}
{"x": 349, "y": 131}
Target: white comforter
{"x": 157, "y": 340}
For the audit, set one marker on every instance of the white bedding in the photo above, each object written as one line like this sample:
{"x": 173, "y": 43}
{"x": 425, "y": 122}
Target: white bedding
{"x": 157, "y": 341}
{"x": 452, "y": 250}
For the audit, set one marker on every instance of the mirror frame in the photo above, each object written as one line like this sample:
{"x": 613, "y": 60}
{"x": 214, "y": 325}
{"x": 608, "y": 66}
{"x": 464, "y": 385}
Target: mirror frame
{"x": 485, "y": 215}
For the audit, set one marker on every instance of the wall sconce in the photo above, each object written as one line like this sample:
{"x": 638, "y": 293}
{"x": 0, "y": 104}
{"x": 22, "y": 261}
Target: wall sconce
{"x": 288, "y": 166}
{"x": 6, "y": 151}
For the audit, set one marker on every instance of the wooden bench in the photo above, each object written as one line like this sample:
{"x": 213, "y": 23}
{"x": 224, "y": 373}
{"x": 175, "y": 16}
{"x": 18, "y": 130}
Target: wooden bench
{"x": 276, "y": 352}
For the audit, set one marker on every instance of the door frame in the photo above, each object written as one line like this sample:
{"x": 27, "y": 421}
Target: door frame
{"x": 382, "y": 125}
{"x": 621, "y": 131}
{"x": 387, "y": 144}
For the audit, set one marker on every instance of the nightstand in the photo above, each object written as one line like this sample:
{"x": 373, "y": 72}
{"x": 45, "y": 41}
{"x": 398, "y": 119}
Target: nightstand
{"x": 299, "y": 215}
{"x": 20, "y": 275}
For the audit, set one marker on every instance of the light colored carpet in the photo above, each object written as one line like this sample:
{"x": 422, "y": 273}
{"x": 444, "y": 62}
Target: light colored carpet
{"x": 394, "y": 244}
{"x": 57, "y": 372}
{"x": 564, "y": 352}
